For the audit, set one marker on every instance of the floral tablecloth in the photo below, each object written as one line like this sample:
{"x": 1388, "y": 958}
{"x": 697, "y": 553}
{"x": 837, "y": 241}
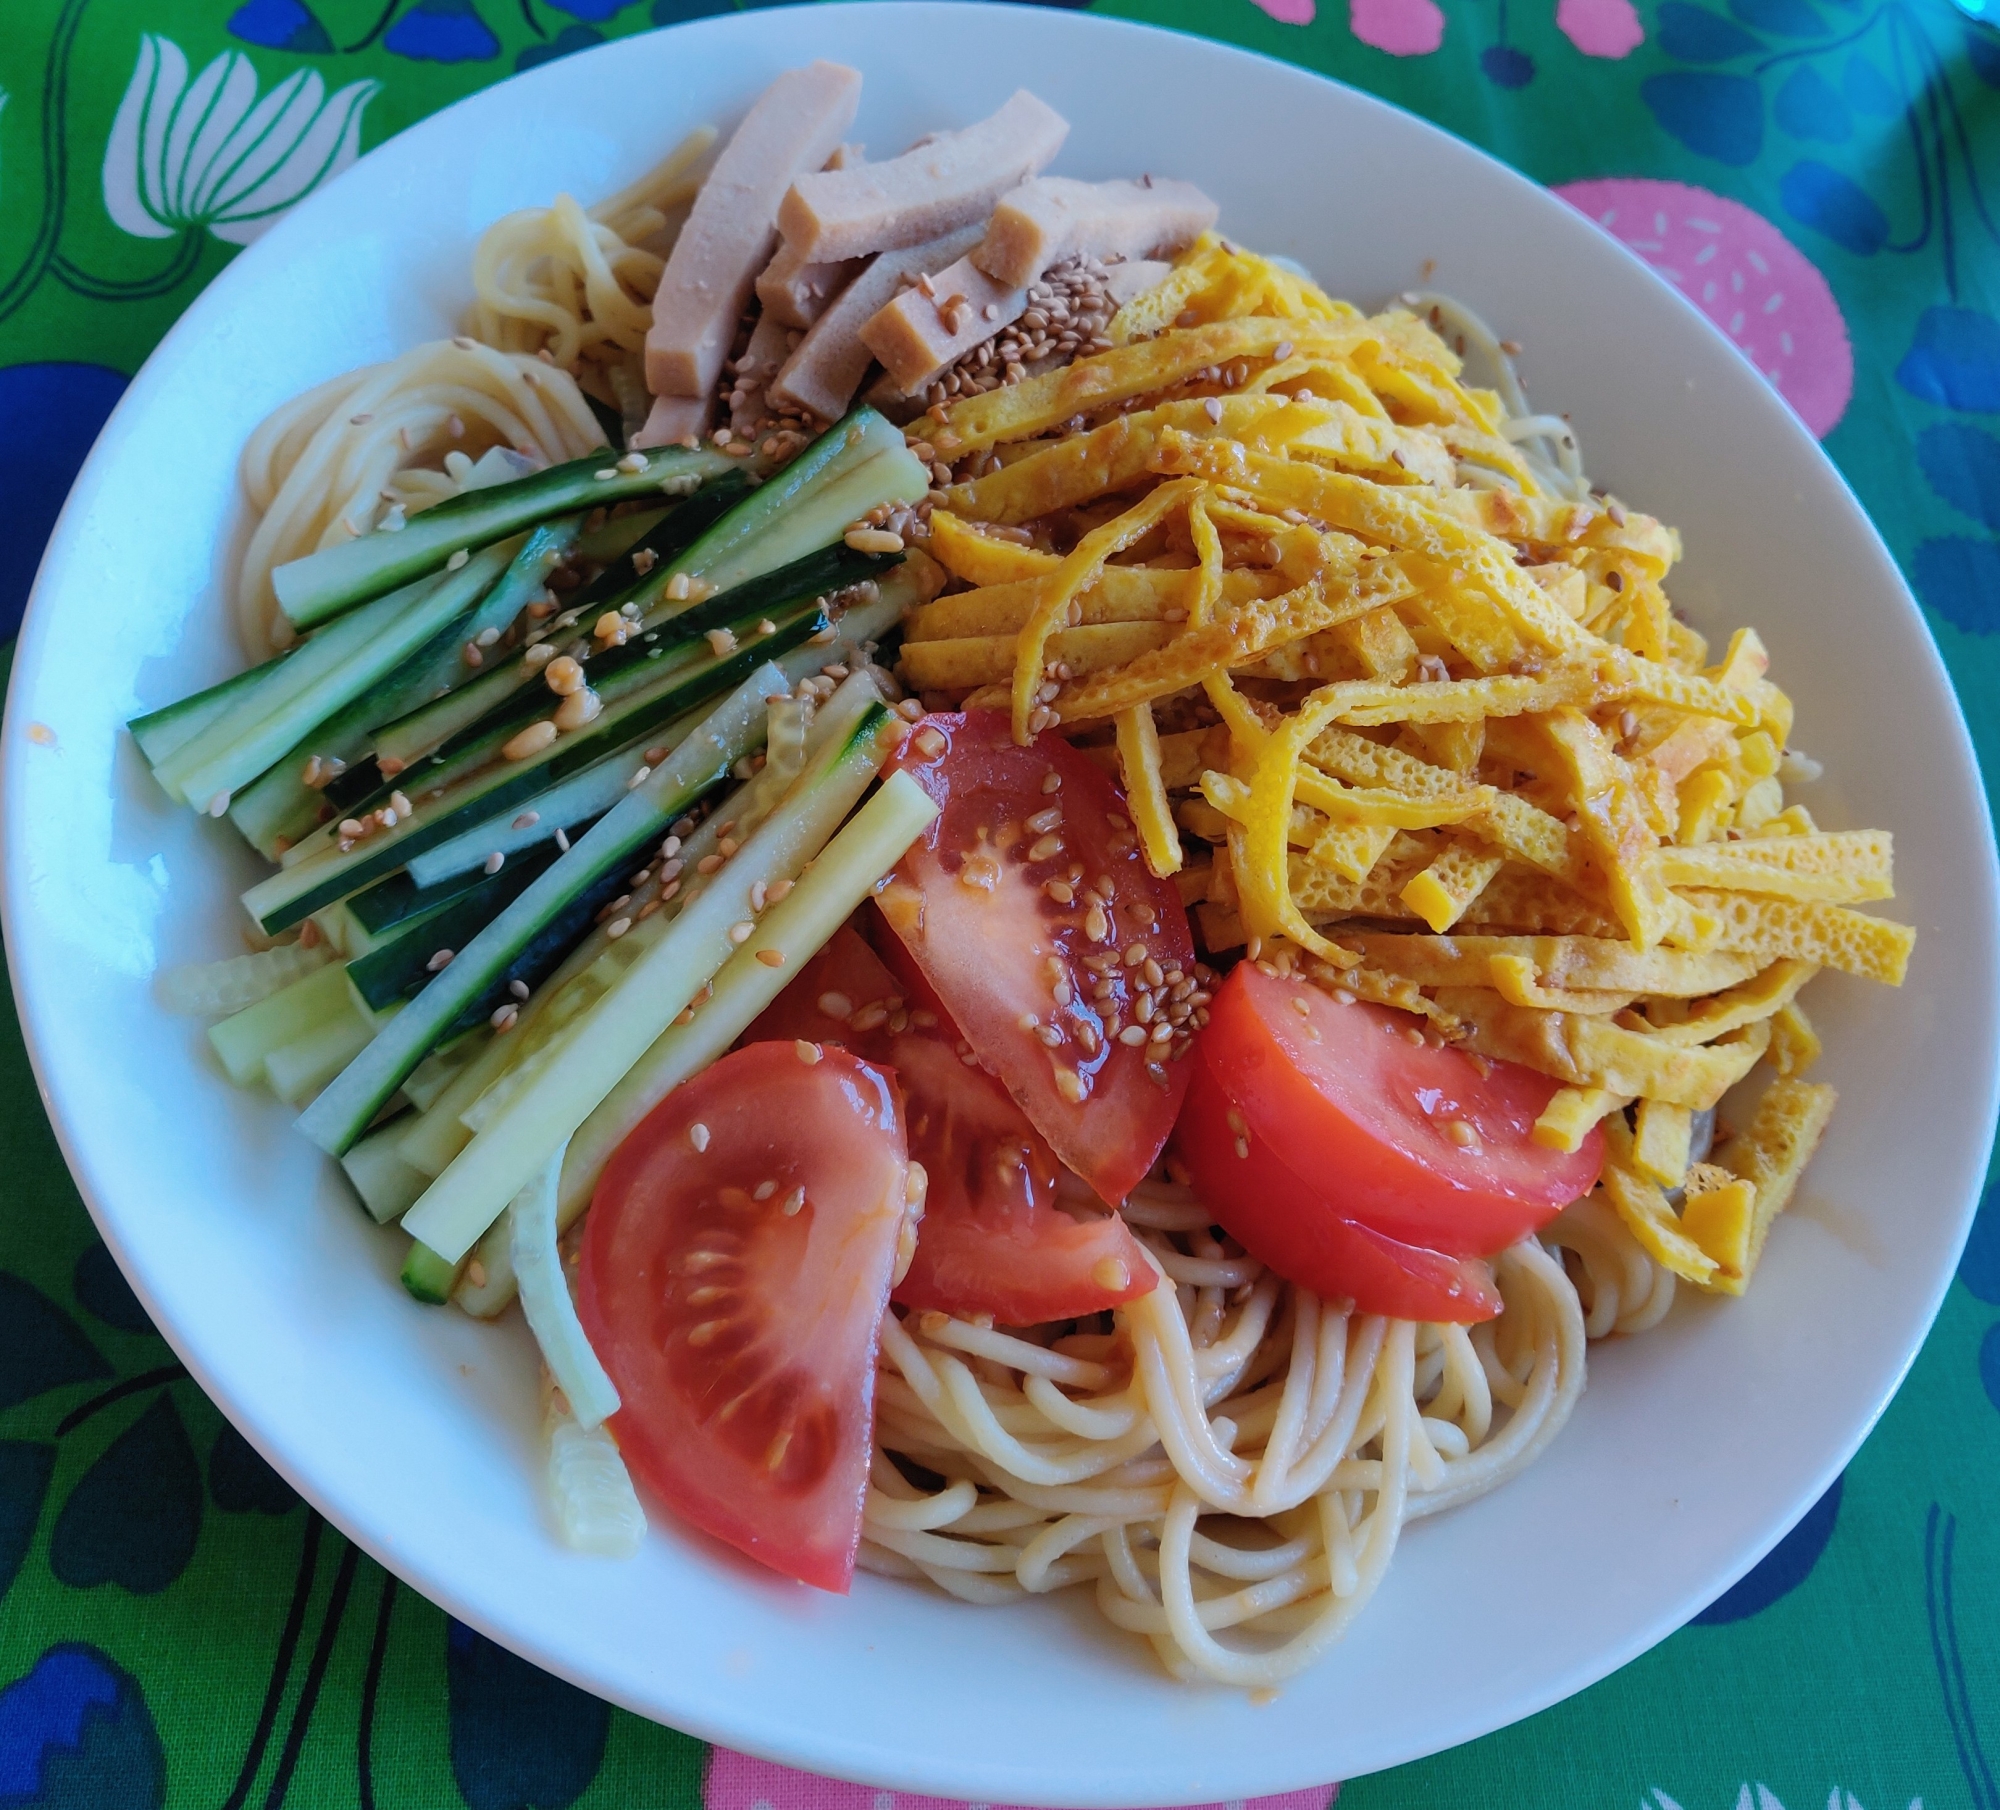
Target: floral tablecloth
{"x": 177, "y": 1628}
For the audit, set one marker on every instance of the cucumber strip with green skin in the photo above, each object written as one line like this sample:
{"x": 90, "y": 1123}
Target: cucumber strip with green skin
{"x": 736, "y": 547}
{"x": 667, "y": 539}
{"x": 545, "y": 1298}
{"x": 245, "y": 1038}
{"x": 327, "y": 873}
{"x": 797, "y": 927}
{"x": 543, "y": 952}
{"x": 165, "y": 731}
{"x": 302, "y": 688}
{"x": 380, "y": 909}
{"x": 337, "y": 579}
{"x": 400, "y": 965}
{"x": 655, "y": 665}
{"x": 433, "y": 724}
{"x": 622, "y": 1026}
{"x": 612, "y": 671}
{"x": 568, "y": 807}
{"x": 616, "y": 533}
{"x": 593, "y": 966}
{"x": 817, "y": 520}
{"x": 279, "y": 804}
{"x": 343, "y": 1111}
{"x": 387, "y": 1185}
{"x": 428, "y": 1276}
{"x": 352, "y": 657}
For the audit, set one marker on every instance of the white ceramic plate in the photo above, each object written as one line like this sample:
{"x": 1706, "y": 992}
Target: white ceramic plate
{"x": 414, "y": 1431}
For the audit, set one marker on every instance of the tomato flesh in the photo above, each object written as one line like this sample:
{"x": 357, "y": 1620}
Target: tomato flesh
{"x": 1021, "y": 904}
{"x": 1280, "y": 1220}
{"x": 741, "y": 1335}
{"x": 992, "y": 1240}
{"x": 1313, "y": 1114}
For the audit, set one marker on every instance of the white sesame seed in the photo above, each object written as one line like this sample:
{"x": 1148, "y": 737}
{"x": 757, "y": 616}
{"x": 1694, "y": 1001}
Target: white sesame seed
{"x": 740, "y": 934}
{"x": 495, "y": 861}
{"x": 442, "y": 959}
{"x": 457, "y": 560}
{"x": 698, "y": 1136}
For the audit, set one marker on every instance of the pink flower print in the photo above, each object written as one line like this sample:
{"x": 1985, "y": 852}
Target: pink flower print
{"x": 1600, "y": 28}
{"x": 1745, "y": 275}
{"x": 737, "y": 1782}
{"x": 1404, "y": 28}
{"x": 1288, "y": 12}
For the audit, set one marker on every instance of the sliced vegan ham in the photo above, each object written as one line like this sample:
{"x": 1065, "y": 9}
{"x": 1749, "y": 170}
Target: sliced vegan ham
{"x": 823, "y": 374}
{"x": 1055, "y": 217}
{"x": 797, "y": 292}
{"x": 949, "y": 182}
{"x": 674, "y": 419}
{"x": 919, "y": 336}
{"x": 916, "y": 335}
{"x": 795, "y": 126}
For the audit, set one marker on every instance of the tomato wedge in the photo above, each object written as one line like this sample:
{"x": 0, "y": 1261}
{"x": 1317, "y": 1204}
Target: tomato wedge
{"x": 993, "y": 1240}
{"x": 1317, "y": 1112}
{"x": 1293, "y": 1228}
{"x": 1028, "y": 907}
{"x": 735, "y": 1266}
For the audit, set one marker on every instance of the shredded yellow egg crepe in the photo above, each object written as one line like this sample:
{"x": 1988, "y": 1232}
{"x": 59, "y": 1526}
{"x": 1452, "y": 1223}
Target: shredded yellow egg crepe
{"x": 1403, "y": 704}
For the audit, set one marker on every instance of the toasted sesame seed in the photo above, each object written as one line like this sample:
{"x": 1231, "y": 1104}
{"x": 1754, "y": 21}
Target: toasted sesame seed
{"x": 617, "y": 927}
{"x": 721, "y": 641}
{"x": 771, "y": 958}
{"x": 504, "y": 1017}
{"x": 442, "y": 959}
{"x": 1461, "y": 1134}
{"x": 529, "y": 741}
{"x": 496, "y": 861}
{"x": 808, "y": 1053}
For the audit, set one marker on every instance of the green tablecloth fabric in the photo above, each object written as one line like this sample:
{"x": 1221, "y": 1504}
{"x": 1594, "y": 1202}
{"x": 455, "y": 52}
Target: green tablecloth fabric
{"x": 176, "y": 1628}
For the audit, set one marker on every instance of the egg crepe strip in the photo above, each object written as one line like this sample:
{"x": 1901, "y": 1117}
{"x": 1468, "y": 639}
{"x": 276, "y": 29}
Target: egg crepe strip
{"x": 1405, "y": 706}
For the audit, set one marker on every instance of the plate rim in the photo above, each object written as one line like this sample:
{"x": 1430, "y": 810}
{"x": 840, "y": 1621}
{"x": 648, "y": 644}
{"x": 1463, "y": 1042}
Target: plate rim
{"x": 769, "y": 1739}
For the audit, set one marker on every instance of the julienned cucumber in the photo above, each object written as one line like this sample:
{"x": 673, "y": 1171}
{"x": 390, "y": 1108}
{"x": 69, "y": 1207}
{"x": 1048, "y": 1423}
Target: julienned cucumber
{"x": 613, "y": 672}
{"x": 428, "y": 1276}
{"x": 324, "y": 872}
{"x": 329, "y": 672}
{"x": 400, "y": 965}
{"x": 621, "y": 1027}
{"x": 340, "y": 1114}
{"x": 431, "y": 723}
{"x": 162, "y": 732}
{"x": 797, "y": 928}
{"x": 572, "y": 803}
{"x": 279, "y": 804}
{"x": 758, "y": 533}
{"x": 813, "y": 521}
{"x": 336, "y": 579}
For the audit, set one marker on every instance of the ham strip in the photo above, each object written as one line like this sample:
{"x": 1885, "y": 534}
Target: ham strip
{"x": 796, "y": 292}
{"x": 795, "y": 126}
{"x": 917, "y": 335}
{"x": 948, "y": 183}
{"x": 1055, "y": 217}
{"x": 822, "y": 376}
{"x": 675, "y": 420}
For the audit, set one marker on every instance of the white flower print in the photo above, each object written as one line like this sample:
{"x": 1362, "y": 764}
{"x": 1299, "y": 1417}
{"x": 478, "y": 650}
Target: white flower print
{"x": 183, "y": 155}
